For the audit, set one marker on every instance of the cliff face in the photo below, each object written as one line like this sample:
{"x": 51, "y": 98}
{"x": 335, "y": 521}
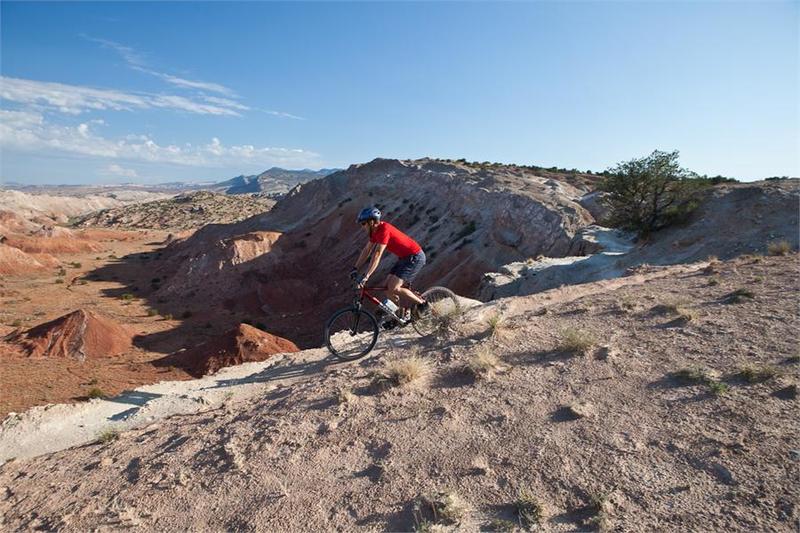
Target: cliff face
{"x": 470, "y": 220}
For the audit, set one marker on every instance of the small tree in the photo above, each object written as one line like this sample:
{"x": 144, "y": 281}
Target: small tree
{"x": 650, "y": 193}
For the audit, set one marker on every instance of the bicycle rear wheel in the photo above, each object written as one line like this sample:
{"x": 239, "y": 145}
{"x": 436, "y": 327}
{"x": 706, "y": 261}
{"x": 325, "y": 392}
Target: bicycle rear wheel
{"x": 443, "y": 308}
{"x": 351, "y": 333}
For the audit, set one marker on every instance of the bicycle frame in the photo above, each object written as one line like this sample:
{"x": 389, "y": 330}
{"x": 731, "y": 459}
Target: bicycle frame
{"x": 363, "y": 293}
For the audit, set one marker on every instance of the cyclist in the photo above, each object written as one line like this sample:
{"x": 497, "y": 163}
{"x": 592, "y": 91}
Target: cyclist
{"x": 383, "y": 236}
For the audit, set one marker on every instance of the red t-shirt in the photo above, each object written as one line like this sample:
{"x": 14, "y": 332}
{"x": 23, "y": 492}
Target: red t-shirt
{"x": 395, "y": 240}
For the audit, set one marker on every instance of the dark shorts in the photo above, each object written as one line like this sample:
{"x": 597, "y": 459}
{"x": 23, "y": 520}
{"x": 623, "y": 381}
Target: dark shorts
{"x": 408, "y": 267}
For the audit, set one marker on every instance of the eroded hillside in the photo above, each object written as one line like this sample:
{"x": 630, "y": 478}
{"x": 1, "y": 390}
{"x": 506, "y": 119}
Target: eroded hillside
{"x": 182, "y": 212}
{"x": 289, "y": 266}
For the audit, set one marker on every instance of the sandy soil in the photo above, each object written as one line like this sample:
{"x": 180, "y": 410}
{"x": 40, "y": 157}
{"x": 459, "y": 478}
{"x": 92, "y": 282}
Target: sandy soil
{"x": 611, "y": 439}
{"x": 26, "y": 301}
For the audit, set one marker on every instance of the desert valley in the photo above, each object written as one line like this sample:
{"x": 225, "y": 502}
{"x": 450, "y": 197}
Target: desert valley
{"x": 162, "y": 361}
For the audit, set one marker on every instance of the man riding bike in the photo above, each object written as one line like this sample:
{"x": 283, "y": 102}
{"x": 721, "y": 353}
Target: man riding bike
{"x": 382, "y": 236}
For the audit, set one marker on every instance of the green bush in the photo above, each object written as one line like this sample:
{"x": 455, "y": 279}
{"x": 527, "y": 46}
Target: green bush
{"x": 652, "y": 192}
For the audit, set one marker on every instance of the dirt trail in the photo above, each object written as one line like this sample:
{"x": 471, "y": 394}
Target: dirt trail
{"x": 51, "y": 428}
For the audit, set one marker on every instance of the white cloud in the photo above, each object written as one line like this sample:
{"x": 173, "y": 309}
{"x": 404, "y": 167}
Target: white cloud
{"x": 136, "y": 61}
{"x": 188, "y": 84}
{"x": 76, "y": 99}
{"x": 28, "y": 132}
{"x": 120, "y": 171}
{"x": 131, "y": 56}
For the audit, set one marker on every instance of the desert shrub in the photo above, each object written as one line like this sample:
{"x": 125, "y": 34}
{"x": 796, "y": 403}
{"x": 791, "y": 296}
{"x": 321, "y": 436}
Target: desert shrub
{"x": 59, "y": 280}
{"x": 650, "y": 193}
{"x": 75, "y": 264}
{"x": 698, "y": 375}
{"x": 345, "y": 396}
{"x": 95, "y": 392}
{"x": 757, "y": 374}
{"x": 779, "y": 248}
{"x": 529, "y": 509}
{"x": 16, "y": 323}
{"x": 693, "y": 375}
{"x": 718, "y": 388}
{"x": 445, "y": 508}
{"x": 152, "y": 312}
{"x": 127, "y": 297}
{"x": 108, "y": 435}
{"x": 577, "y": 341}
{"x": 168, "y": 316}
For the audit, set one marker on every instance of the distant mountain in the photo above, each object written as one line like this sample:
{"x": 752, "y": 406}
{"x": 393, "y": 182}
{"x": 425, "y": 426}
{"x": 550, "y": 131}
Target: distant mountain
{"x": 273, "y": 182}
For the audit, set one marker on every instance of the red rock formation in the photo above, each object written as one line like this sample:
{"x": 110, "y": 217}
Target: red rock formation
{"x": 79, "y": 334}
{"x": 242, "y": 344}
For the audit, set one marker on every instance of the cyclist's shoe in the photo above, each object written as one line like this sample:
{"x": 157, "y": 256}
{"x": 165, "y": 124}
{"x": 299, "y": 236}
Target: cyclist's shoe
{"x": 423, "y": 309}
{"x": 390, "y": 324}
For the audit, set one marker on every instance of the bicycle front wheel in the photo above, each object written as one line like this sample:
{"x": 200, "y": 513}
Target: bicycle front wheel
{"x": 351, "y": 333}
{"x": 443, "y": 309}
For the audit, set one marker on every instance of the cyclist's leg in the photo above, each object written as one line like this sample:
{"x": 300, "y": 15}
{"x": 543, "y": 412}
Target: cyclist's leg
{"x": 396, "y": 291}
{"x": 404, "y": 271}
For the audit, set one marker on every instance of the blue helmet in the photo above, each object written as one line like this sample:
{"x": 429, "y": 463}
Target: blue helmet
{"x": 369, "y": 213}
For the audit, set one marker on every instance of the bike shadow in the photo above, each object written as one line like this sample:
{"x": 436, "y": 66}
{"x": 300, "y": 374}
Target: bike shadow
{"x": 287, "y": 370}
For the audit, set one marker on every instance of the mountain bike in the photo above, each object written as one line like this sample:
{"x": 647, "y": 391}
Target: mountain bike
{"x": 352, "y": 332}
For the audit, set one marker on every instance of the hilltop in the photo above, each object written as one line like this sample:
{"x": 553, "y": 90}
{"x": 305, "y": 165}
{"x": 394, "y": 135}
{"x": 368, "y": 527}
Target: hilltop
{"x": 185, "y": 211}
{"x": 273, "y": 182}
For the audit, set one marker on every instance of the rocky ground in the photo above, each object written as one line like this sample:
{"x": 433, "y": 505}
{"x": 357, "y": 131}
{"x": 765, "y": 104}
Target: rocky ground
{"x": 182, "y": 212}
{"x": 664, "y": 400}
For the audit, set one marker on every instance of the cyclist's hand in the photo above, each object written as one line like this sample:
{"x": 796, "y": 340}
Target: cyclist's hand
{"x": 361, "y": 282}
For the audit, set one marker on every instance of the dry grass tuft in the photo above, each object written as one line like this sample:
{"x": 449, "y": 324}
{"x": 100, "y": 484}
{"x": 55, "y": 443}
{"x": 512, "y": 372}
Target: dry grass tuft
{"x": 713, "y": 265}
{"x": 779, "y": 248}
{"x": 577, "y": 341}
{"x": 529, "y": 509}
{"x": 403, "y": 372}
{"x": 108, "y": 435}
{"x": 627, "y": 303}
{"x": 346, "y": 396}
{"x": 500, "y": 525}
{"x": 693, "y": 375}
{"x": 672, "y": 306}
{"x": 698, "y": 375}
{"x": 687, "y": 314}
{"x": 756, "y": 374}
{"x": 483, "y": 364}
{"x": 739, "y": 296}
{"x": 718, "y": 388}
{"x": 497, "y": 327}
{"x": 95, "y": 392}
{"x": 449, "y": 507}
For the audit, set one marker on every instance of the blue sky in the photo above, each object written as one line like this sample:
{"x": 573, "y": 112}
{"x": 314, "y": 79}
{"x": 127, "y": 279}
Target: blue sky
{"x": 151, "y": 92}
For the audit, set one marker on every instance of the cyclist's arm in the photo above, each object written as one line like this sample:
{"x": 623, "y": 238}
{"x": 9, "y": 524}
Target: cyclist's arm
{"x": 364, "y": 254}
{"x": 376, "y": 258}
